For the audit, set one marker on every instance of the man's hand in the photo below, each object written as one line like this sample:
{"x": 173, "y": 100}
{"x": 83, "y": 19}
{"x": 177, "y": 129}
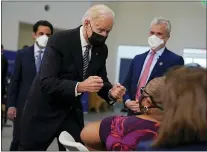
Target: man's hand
{"x": 12, "y": 111}
{"x": 117, "y": 91}
{"x": 91, "y": 84}
{"x": 133, "y": 105}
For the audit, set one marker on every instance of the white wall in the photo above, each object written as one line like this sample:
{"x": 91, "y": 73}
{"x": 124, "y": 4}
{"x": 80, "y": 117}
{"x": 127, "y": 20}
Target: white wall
{"x": 62, "y": 15}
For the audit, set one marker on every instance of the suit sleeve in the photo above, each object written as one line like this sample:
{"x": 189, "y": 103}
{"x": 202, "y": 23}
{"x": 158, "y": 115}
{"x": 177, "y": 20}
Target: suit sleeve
{"x": 4, "y": 69}
{"x": 15, "y": 81}
{"x": 50, "y": 70}
{"x": 178, "y": 62}
{"x": 127, "y": 82}
{"x": 103, "y": 93}
{"x": 181, "y": 61}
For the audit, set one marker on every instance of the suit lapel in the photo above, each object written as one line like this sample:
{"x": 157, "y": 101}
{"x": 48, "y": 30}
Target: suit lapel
{"x": 94, "y": 59}
{"x": 77, "y": 52}
{"x": 139, "y": 65}
{"x": 32, "y": 59}
{"x": 160, "y": 62}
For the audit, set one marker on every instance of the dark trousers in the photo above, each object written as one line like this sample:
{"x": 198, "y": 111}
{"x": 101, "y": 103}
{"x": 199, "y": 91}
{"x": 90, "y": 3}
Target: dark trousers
{"x": 17, "y": 135}
{"x": 34, "y": 142}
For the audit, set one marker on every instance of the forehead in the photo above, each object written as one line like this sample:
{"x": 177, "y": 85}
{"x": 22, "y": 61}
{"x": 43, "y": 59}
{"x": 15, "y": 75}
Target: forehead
{"x": 104, "y": 23}
{"x": 44, "y": 29}
{"x": 158, "y": 28}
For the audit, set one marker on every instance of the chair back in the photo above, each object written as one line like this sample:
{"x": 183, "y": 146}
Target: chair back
{"x": 69, "y": 142}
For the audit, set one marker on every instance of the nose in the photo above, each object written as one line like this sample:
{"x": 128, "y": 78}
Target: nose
{"x": 104, "y": 33}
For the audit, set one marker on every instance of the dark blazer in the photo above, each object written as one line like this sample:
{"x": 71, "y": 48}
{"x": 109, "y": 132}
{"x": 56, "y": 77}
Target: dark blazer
{"x": 4, "y": 68}
{"x": 167, "y": 60}
{"x": 51, "y": 99}
{"x": 21, "y": 81}
{"x": 22, "y": 78}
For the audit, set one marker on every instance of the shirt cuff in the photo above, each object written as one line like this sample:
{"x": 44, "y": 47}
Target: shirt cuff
{"x": 112, "y": 100}
{"x": 128, "y": 100}
{"x": 76, "y": 93}
{"x": 12, "y": 107}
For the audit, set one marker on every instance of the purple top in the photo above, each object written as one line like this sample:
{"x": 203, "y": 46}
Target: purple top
{"x": 123, "y": 133}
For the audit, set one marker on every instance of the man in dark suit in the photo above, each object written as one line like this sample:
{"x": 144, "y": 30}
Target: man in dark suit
{"x": 4, "y": 68}
{"x": 74, "y": 62}
{"x": 25, "y": 69}
{"x": 149, "y": 65}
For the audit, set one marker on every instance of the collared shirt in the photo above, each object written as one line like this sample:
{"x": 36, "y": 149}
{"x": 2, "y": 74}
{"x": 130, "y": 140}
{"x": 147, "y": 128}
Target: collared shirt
{"x": 84, "y": 43}
{"x": 154, "y": 61}
{"x": 36, "y": 51}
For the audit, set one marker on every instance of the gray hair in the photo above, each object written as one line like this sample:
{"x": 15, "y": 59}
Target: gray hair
{"x": 162, "y": 20}
{"x": 97, "y": 11}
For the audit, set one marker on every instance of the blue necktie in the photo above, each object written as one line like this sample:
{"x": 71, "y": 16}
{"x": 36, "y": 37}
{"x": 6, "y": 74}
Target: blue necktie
{"x": 38, "y": 60}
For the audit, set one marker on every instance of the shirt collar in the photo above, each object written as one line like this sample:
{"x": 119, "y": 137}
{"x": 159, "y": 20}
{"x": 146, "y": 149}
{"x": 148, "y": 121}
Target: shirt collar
{"x": 83, "y": 40}
{"x": 36, "y": 48}
{"x": 159, "y": 52}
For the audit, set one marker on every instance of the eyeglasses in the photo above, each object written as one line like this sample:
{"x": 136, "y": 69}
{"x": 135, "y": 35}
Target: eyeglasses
{"x": 143, "y": 92}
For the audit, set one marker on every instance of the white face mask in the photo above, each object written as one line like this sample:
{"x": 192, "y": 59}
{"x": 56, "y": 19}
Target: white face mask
{"x": 154, "y": 41}
{"x": 42, "y": 41}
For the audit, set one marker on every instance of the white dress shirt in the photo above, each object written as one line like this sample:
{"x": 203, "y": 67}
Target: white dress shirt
{"x": 84, "y": 43}
{"x": 36, "y": 51}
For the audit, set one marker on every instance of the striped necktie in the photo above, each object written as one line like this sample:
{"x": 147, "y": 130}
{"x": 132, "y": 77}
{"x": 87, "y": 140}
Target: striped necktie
{"x": 86, "y": 60}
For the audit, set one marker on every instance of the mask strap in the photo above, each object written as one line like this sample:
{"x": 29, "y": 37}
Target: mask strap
{"x": 90, "y": 26}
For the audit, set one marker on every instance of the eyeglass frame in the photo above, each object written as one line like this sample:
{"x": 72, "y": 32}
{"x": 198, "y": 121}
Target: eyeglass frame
{"x": 143, "y": 90}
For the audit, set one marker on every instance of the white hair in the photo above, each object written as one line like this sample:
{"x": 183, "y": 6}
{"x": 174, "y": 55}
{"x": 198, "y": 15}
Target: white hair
{"x": 96, "y": 11}
{"x": 162, "y": 20}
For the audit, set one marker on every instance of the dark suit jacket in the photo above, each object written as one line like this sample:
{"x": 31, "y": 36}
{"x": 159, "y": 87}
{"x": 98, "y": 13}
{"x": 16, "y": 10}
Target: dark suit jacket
{"x": 168, "y": 59}
{"x": 22, "y": 78}
{"x": 4, "y": 68}
{"x": 52, "y": 95}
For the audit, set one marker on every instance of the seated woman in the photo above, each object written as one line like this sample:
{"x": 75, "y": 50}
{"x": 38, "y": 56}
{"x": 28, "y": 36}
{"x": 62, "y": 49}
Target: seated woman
{"x": 123, "y": 133}
{"x": 184, "y": 125}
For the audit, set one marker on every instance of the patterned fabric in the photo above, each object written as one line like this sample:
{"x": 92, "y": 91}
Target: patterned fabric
{"x": 123, "y": 133}
{"x": 145, "y": 74}
{"x": 86, "y": 60}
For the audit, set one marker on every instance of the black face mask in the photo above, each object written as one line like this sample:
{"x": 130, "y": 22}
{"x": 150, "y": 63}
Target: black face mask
{"x": 96, "y": 39}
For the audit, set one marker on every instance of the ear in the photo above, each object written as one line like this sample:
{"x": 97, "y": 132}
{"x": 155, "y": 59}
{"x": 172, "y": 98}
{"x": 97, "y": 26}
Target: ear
{"x": 86, "y": 22}
{"x": 149, "y": 101}
{"x": 33, "y": 35}
{"x": 168, "y": 37}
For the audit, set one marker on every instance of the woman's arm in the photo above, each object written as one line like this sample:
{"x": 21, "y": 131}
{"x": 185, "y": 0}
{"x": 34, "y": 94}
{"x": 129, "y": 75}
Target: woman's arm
{"x": 90, "y": 136}
{"x": 94, "y": 134}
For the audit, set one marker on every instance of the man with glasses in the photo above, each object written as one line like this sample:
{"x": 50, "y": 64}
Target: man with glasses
{"x": 74, "y": 62}
{"x": 151, "y": 64}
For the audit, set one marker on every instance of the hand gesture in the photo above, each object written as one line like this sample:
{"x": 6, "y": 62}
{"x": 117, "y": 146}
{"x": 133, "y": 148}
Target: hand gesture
{"x": 91, "y": 84}
{"x": 117, "y": 91}
{"x": 133, "y": 105}
{"x": 11, "y": 113}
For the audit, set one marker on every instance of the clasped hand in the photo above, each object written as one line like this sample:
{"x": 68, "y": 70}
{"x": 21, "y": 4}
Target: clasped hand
{"x": 95, "y": 83}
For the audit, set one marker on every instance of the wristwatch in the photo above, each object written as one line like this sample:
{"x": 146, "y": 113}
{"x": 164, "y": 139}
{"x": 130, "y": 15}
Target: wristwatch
{"x": 112, "y": 99}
